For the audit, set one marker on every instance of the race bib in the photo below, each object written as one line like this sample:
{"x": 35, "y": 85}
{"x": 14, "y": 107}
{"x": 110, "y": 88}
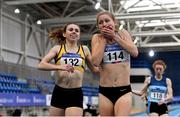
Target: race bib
{"x": 115, "y": 56}
{"x": 71, "y": 59}
{"x": 157, "y": 96}
{"x": 157, "y": 93}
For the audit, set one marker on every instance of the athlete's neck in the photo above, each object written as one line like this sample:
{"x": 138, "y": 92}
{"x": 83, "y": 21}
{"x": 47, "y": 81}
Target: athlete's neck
{"x": 158, "y": 77}
{"x": 71, "y": 45}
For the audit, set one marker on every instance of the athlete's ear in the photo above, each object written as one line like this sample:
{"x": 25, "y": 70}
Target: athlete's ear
{"x": 64, "y": 35}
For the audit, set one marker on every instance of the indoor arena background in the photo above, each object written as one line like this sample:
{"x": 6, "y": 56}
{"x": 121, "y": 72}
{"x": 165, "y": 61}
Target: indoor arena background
{"x": 25, "y": 90}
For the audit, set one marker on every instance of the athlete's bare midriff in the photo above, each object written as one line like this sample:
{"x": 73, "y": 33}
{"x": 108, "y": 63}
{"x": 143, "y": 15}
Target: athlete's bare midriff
{"x": 70, "y": 80}
{"x": 119, "y": 76}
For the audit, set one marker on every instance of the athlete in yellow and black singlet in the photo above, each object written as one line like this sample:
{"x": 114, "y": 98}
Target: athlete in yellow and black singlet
{"x": 77, "y": 60}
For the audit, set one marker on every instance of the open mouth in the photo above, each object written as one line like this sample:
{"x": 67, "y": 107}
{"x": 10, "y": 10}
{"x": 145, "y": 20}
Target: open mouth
{"x": 109, "y": 27}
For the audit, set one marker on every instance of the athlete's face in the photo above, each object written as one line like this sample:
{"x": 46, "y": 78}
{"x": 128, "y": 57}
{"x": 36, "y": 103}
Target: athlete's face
{"x": 72, "y": 32}
{"x": 105, "y": 21}
{"x": 159, "y": 69}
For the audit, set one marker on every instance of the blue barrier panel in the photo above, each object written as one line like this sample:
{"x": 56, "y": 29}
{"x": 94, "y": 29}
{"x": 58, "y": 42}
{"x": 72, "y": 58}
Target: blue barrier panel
{"x": 176, "y": 98}
{"x": 22, "y": 100}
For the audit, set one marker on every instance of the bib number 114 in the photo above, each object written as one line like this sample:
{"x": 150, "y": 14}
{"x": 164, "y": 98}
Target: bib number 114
{"x": 115, "y": 55}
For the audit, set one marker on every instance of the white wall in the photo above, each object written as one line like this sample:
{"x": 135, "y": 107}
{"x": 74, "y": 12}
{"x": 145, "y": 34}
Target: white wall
{"x": 138, "y": 103}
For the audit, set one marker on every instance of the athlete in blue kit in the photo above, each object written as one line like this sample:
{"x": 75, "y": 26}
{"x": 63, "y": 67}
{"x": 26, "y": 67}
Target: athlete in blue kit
{"x": 111, "y": 50}
{"x": 159, "y": 90}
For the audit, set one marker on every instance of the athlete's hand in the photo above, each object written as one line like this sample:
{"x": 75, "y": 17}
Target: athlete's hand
{"x": 143, "y": 97}
{"x": 161, "y": 102}
{"x": 96, "y": 69}
{"x": 108, "y": 32}
{"x": 68, "y": 68}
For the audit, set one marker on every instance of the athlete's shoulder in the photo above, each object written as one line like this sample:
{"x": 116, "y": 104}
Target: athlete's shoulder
{"x": 56, "y": 48}
{"x": 148, "y": 79}
{"x": 95, "y": 36}
{"x": 168, "y": 79}
{"x": 85, "y": 49}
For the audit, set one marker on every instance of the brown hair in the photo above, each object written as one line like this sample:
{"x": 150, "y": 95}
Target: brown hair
{"x": 159, "y": 62}
{"x": 110, "y": 15}
{"x": 57, "y": 33}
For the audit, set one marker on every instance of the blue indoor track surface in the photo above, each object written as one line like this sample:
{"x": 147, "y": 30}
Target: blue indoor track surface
{"x": 174, "y": 111}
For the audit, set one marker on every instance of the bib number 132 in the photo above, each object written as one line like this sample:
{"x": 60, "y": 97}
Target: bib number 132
{"x": 73, "y": 62}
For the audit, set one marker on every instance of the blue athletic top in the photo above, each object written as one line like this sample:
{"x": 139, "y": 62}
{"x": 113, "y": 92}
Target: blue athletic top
{"x": 157, "y": 89}
{"x": 114, "y": 53}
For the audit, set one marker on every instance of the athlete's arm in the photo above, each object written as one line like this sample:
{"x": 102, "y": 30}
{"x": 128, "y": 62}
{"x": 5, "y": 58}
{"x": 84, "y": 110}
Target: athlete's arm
{"x": 144, "y": 96}
{"x": 98, "y": 45}
{"x": 89, "y": 60}
{"x": 46, "y": 65}
{"x": 125, "y": 40}
{"x": 169, "y": 95}
{"x": 136, "y": 92}
{"x": 144, "y": 89}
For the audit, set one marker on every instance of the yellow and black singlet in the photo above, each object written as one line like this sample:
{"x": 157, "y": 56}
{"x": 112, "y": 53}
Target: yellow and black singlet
{"x": 77, "y": 60}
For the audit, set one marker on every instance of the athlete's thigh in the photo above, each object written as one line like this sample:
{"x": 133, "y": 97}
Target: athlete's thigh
{"x": 123, "y": 105}
{"x": 74, "y": 111}
{"x": 164, "y": 115}
{"x": 53, "y": 111}
{"x": 106, "y": 107}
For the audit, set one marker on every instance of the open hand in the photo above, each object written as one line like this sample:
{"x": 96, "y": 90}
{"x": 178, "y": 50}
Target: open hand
{"x": 108, "y": 32}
